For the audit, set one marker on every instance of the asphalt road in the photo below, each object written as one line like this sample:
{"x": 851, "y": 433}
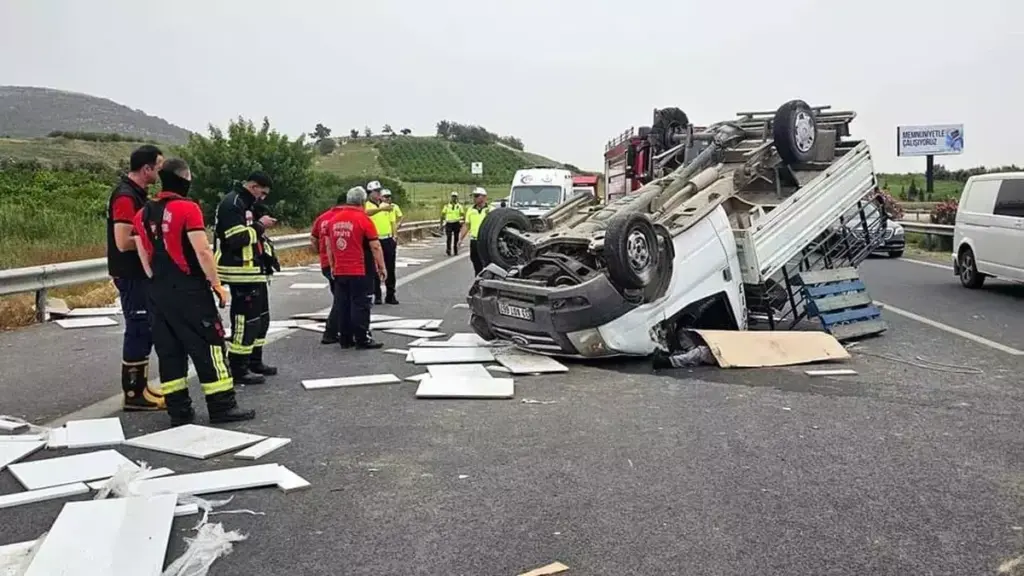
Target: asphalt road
{"x": 906, "y": 468}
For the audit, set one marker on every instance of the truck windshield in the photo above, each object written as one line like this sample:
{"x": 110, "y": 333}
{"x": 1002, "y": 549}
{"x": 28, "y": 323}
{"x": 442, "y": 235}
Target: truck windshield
{"x": 536, "y": 196}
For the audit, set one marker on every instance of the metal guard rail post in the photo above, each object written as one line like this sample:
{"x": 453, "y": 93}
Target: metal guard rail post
{"x": 39, "y": 279}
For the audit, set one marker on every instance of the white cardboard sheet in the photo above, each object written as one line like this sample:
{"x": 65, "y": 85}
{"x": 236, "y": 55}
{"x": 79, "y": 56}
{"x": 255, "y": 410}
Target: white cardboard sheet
{"x": 470, "y": 388}
{"x": 308, "y": 286}
{"x": 11, "y": 452}
{"x": 458, "y": 371}
{"x": 413, "y": 333}
{"x": 312, "y": 327}
{"x": 525, "y": 363}
{"x": 194, "y": 441}
{"x": 468, "y": 338}
{"x": 43, "y": 494}
{"x": 86, "y": 312}
{"x": 367, "y": 380}
{"x": 154, "y": 473}
{"x": 407, "y": 324}
{"x": 383, "y": 318}
{"x": 92, "y": 433}
{"x": 222, "y": 480}
{"x": 70, "y": 469}
{"x": 257, "y": 451}
{"x": 88, "y": 322}
{"x": 450, "y": 355}
{"x": 10, "y": 426}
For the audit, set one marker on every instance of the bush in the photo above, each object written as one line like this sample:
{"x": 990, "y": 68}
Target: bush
{"x": 945, "y": 212}
{"x": 326, "y": 146}
{"x": 893, "y": 209}
{"x": 96, "y": 136}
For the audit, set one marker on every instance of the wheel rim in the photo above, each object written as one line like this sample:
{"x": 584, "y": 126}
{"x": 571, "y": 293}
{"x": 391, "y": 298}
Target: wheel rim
{"x": 508, "y": 247}
{"x": 803, "y": 127}
{"x": 966, "y": 267}
{"x": 638, "y": 251}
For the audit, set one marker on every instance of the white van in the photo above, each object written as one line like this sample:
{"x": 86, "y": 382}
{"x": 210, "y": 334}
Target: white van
{"x": 535, "y": 191}
{"x": 988, "y": 239}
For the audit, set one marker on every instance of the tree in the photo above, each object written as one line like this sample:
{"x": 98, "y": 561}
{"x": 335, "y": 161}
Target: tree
{"x": 444, "y": 129}
{"x": 321, "y": 132}
{"x": 224, "y": 157}
{"x": 387, "y": 129}
{"x": 367, "y": 132}
{"x": 405, "y": 131}
{"x": 326, "y": 146}
{"x": 913, "y": 193}
{"x": 354, "y": 133}
{"x": 512, "y": 142}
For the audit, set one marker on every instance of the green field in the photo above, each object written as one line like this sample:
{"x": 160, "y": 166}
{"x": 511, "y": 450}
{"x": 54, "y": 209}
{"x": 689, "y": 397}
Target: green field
{"x": 899, "y": 184}
{"x": 60, "y": 151}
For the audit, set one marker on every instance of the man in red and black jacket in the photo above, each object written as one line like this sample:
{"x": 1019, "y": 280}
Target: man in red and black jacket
{"x": 127, "y": 198}
{"x": 174, "y": 252}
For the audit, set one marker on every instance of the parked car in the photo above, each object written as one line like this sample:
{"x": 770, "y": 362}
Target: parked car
{"x": 989, "y": 230}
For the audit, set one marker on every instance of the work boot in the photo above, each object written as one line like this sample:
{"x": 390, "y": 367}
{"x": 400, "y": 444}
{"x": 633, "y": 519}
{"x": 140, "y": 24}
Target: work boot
{"x": 391, "y": 299}
{"x": 256, "y": 363}
{"x": 240, "y": 370}
{"x": 368, "y": 344}
{"x": 179, "y": 408}
{"x": 223, "y": 408}
{"x": 377, "y": 301}
{"x": 137, "y": 395}
{"x": 328, "y": 339}
{"x": 661, "y": 361}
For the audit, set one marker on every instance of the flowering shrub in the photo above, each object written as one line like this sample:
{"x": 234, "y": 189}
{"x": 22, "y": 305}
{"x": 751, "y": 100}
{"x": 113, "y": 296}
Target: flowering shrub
{"x": 892, "y": 207}
{"x": 945, "y": 212}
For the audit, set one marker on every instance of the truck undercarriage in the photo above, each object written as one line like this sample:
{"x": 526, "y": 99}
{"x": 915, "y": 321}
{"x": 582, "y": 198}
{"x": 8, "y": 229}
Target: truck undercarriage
{"x": 739, "y": 209}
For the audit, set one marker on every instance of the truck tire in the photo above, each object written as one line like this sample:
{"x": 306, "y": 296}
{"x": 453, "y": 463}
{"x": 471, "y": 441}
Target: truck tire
{"x": 663, "y": 273}
{"x": 795, "y": 132}
{"x": 631, "y": 250}
{"x": 667, "y": 122}
{"x": 492, "y": 247}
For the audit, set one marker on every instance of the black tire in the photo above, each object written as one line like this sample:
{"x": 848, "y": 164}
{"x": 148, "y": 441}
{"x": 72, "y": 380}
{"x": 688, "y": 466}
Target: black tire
{"x": 631, "y": 250}
{"x": 969, "y": 275}
{"x": 795, "y": 132}
{"x": 896, "y": 254}
{"x": 663, "y": 273}
{"x": 490, "y": 245}
{"x": 668, "y": 121}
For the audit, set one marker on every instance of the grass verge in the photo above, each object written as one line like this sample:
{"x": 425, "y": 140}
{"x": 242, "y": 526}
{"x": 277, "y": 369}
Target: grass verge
{"x": 20, "y": 309}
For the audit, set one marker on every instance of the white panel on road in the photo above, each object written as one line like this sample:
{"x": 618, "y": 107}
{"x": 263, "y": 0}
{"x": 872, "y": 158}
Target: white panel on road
{"x": 194, "y": 441}
{"x": 433, "y": 325}
{"x": 13, "y": 557}
{"x": 116, "y": 537}
{"x": 289, "y": 481}
{"x": 411, "y": 324}
{"x": 285, "y": 324}
{"x": 524, "y": 363}
{"x": 86, "y": 312}
{"x": 397, "y": 351}
{"x": 413, "y": 333}
{"x": 472, "y": 388}
{"x": 308, "y": 286}
{"x": 87, "y": 434}
{"x": 350, "y": 381}
{"x": 383, "y": 318}
{"x": 839, "y": 372}
{"x": 318, "y": 316}
{"x": 499, "y": 369}
{"x": 257, "y": 451}
{"x": 468, "y": 338}
{"x": 417, "y": 377}
{"x": 312, "y": 327}
{"x": 43, "y": 494}
{"x": 287, "y": 274}
{"x": 154, "y": 473}
{"x": 442, "y": 344}
{"x": 461, "y": 306}
{"x": 11, "y": 452}
{"x": 458, "y": 371}
{"x": 70, "y": 469}
{"x": 413, "y": 260}
{"x": 91, "y": 322}
{"x": 450, "y": 355}
{"x": 10, "y": 426}
{"x": 223, "y": 480}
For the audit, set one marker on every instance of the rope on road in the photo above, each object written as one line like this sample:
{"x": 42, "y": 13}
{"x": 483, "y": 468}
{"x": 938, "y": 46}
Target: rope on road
{"x": 922, "y": 362}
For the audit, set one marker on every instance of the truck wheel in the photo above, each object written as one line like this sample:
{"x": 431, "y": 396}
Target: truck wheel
{"x": 795, "y": 132}
{"x": 969, "y": 275}
{"x": 631, "y": 250}
{"x": 663, "y": 273}
{"x": 495, "y": 246}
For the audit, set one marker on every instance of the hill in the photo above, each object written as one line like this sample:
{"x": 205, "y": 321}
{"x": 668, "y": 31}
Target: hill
{"x": 28, "y": 112}
{"x": 58, "y": 152}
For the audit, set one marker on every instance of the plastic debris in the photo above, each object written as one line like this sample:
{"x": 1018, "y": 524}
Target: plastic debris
{"x": 210, "y": 542}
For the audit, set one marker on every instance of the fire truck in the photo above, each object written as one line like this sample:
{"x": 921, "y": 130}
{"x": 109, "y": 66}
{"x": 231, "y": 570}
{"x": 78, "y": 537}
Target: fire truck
{"x": 631, "y": 159}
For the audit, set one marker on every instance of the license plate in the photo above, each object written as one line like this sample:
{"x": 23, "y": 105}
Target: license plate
{"x": 515, "y": 311}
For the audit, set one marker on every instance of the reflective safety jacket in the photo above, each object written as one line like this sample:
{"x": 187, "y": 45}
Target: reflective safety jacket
{"x": 453, "y": 212}
{"x": 239, "y": 240}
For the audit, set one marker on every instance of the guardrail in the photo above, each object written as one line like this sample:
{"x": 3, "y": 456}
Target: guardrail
{"x": 927, "y": 228}
{"x": 39, "y": 279}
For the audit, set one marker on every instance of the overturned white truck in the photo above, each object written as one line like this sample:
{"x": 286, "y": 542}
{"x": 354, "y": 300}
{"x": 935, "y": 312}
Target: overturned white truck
{"x": 717, "y": 239}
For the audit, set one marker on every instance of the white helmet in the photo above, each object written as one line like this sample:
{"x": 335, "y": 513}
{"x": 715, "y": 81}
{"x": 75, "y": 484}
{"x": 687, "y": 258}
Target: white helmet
{"x": 373, "y": 186}
{"x": 385, "y": 193}
{"x": 479, "y": 192}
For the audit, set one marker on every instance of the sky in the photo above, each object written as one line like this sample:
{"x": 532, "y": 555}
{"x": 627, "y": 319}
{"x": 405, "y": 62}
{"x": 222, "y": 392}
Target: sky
{"x": 565, "y": 76}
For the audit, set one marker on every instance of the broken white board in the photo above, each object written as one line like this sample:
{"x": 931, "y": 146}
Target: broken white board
{"x": 433, "y": 325}
{"x": 458, "y": 371}
{"x": 154, "y": 473}
{"x": 497, "y": 368}
{"x": 10, "y": 426}
{"x": 70, "y": 469}
{"x": 312, "y": 327}
{"x": 308, "y": 286}
{"x": 257, "y": 451}
{"x": 43, "y": 494}
{"x": 468, "y": 338}
{"x": 444, "y": 344}
{"x": 195, "y": 441}
{"x": 13, "y": 557}
{"x": 383, "y": 318}
{"x": 450, "y": 355}
{"x": 317, "y": 316}
{"x": 115, "y": 537}
{"x": 11, "y": 452}
{"x": 346, "y": 381}
{"x": 461, "y": 306}
{"x": 839, "y": 372}
{"x": 408, "y": 324}
{"x": 186, "y": 510}
{"x": 397, "y": 351}
{"x": 524, "y": 363}
{"x": 22, "y": 438}
{"x": 469, "y": 388}
{"x": 417, "y": 377}
{"x": 92, "y": 433}
{"x": 89, "y": 322}
{"x": 222, "y": 480}
{"x": 87, "y": 312}
{"x": 285, "y": 323}
{"x": 757, "y": 349}
{"x": 413, "y": 333}
{"x": 289, "y": 481}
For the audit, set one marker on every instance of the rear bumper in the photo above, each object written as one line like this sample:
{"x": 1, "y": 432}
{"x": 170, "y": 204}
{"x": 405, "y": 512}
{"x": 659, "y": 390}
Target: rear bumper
{"x": 564, "y": 319}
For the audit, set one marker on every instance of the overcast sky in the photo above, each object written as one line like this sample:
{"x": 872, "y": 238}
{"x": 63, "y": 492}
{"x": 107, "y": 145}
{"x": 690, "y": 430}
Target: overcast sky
{"x": 563, "y": 75}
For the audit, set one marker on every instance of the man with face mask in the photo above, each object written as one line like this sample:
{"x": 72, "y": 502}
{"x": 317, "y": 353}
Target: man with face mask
{"x": 127, "y": 198}
{"x": 170, "y": 238}
{"x": 242, "y": 263}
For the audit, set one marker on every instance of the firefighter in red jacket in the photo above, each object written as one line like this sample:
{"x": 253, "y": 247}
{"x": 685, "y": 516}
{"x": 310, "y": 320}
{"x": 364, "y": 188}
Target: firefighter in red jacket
{"x": 173, "y": 249}
{"x": 318, "y": 240}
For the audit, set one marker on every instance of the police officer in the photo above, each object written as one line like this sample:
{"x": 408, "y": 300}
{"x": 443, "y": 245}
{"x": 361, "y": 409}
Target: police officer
{"x": 244, "y": 264}
{"x": 452, "y": 215}
{"x": 474, "y": 218}
{"x": 123, "y": 265}
{"x": 380, "y": 214}
{"x": 396, "y": 214}
{"x": 173, "y": 250}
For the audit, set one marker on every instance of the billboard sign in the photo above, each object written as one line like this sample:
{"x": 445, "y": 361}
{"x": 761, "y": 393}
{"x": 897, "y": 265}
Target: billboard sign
{"x": 933, "y": 140}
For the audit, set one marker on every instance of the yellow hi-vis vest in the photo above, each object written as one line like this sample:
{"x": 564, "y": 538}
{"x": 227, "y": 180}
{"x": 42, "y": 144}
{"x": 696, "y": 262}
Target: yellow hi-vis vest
{"x": 381, "y": 221}
{"x": 475, "y": 217}
{"x": 452, "y": 212}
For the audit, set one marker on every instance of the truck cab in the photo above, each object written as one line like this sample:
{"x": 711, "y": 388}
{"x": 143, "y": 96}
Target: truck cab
{"x": 584, "y": 184}
{"x": 535, "y": 191}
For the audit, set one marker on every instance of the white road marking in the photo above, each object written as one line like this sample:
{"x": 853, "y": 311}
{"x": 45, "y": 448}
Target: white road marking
{"x": 111, "y": 405}
{"x": 932, "y": 264}
{"x": 955, "y": 331}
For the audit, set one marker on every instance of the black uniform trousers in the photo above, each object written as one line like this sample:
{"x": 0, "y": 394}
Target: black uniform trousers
{"x": 185, "y": 325}
{"x": 250, "y": 320}
{"x": 390, "y": 249}
{"x": 474, "y": 257}
{"x": 451, "y": 232}
{"x": 351, "y": 308}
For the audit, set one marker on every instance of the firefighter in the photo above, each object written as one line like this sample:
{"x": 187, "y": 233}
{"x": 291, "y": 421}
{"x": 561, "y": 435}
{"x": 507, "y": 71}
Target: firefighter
{"x": 474, "y": 217}
{"x": 318, "y": 240}
{"x": 452, "y": 215}
{"x": 170, "y": 237}
{"x": 123, "y": 265}
{"x": 244, "y": 265}
{"x": 349, "y": 232}
{"x": 380, "y": 214}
